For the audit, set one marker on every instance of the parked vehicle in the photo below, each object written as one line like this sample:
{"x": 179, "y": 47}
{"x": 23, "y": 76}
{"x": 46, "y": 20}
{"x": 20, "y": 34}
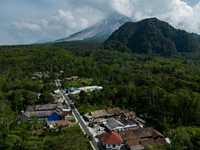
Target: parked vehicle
{"x": 90, "y": 137}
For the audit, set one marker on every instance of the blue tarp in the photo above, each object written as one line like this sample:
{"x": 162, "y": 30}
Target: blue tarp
{"x": 54, "y": 116}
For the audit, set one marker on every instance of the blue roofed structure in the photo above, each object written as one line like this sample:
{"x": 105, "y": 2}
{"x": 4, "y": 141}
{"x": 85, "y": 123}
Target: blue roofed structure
{"x": 49, "y": 112}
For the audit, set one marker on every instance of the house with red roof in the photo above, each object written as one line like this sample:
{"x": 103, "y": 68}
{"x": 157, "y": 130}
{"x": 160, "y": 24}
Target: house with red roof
{"x": 66, "y": 115}
{"x": 112, "y": 140}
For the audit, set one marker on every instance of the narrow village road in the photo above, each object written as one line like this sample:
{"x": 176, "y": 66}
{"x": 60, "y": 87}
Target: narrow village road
{"x": 77, "y": 115}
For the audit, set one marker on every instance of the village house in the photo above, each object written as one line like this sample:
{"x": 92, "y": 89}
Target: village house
{"x": 129, "y": 114}
{"x": 45, "y": 112}
{"x": 112, "y": 141}
{"x": 114, "y": 112}
{"x": 134, "y": 121}
{"x": 114, "y": 125}
{"x": 58, "y": 124}
{"x": 123, "y": 125}
{"x": 104, "y": 114}
{"x": 37, "y": 75}
{"x": 96, "y": 115}
{"x": 99, "y": 114}
{"x": 131, "y": 124}
{"x": 56, "y": 91}
{"x": 66, "y": 115}
{"x": 38, "y": 95}
{"x": 63, "y": 124}
{"x": 74, "y": 77}
{"x": 68, "y": 79}
{"x": 66, "y": 107}
{"x": 143, "y": 138}
{"x": 58, "y": 100}
{"x": 135, "y": 144}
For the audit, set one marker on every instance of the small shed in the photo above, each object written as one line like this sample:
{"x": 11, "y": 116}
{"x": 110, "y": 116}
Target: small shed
{"x": 63, "y": 124}
{"x": 66, "y": 115}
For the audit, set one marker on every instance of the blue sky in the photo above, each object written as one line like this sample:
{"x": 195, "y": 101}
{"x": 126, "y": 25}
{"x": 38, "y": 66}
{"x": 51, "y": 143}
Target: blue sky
{"x": 27, "y": 21}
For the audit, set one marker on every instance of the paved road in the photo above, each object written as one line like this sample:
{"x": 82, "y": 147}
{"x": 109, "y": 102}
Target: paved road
{"x": 77, "y": 115}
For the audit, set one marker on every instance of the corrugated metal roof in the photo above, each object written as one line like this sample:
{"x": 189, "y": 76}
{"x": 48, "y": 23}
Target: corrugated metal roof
{"x": 124, "y": 122}
{"x": 45, "y": 107}
{"x": 66, "y": 113}
{"x": 39, "y": 113}
{"x": 43, "y": 110}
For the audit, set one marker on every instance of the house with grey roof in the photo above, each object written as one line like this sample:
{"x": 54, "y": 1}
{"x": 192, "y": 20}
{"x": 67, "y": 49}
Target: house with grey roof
{"x": 45, "y": 112}
{"x": 114, "y": 125}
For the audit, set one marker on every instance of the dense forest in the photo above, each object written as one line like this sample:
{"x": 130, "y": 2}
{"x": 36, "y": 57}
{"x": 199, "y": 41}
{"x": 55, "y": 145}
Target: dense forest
{"x": 152, "y": 36}
{"x": 166, "y": 88}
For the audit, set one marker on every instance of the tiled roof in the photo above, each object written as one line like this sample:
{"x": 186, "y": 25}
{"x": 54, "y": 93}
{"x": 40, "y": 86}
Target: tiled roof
{"x": 63, "y": 123}
{"x": 161, "y": 141}
{"x": 137, "y": 147}
{"x": 128, "y": 113}
{"x": 134, "y": 142}
{"x": 99, "y": 113}
{"x": 142, "y": 133}
{"x": 148, "y": 143}
{"x": 127, "y": 135}
{"x": 155, "y": 134}
{"x": 111, "y": 138}
{"x": 65, "y": 113}
{"x": 115, "y": 111}
{"x": 143, "y": 138}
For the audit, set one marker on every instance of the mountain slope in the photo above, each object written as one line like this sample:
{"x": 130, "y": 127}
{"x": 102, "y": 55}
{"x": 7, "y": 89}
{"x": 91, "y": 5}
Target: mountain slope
{"x": 101, "y": 30}
{"x": 151, "y": 36}
{"x": 196, "y": 36}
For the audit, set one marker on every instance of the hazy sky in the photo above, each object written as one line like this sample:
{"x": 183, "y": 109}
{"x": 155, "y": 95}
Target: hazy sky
{"x": 27, "y": 21}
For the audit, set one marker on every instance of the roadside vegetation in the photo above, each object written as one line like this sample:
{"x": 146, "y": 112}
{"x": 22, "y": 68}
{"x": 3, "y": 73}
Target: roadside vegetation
{"x": 76, "y": 83}
{"x": 166, "y": 88}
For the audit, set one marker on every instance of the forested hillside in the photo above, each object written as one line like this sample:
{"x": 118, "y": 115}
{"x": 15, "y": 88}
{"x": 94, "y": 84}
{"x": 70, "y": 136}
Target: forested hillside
{"x": 151, "y": 36}
{"x": 166, "y": 88}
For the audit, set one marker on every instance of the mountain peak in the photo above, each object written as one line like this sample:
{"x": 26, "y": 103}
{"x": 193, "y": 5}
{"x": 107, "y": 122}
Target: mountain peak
{"x": 151, "y": 36}
{"x": 101, "y": 30}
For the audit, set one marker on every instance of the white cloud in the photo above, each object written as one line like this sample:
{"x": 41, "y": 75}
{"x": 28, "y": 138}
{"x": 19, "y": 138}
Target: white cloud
{"x": 64, "y": 19}
{"x": 124, "y": 7}
{"x": 62, "y": 24}
{"x": 22, "y": 26}
{"x": 72, "y": 16}
{"x": 176, "y": 12}
{"x": 83, "y": 22}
